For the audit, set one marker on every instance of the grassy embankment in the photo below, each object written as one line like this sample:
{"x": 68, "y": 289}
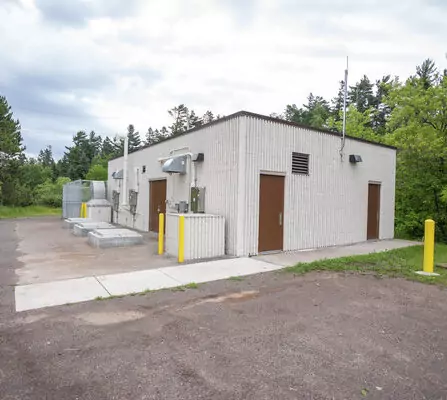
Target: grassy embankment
{"x": 400, "y": 263}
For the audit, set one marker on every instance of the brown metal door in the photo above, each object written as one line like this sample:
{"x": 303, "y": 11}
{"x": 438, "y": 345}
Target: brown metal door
{"x": 372, "y": 230}
{"x": 271, "y": 213}
{"x": 157, "y": 202}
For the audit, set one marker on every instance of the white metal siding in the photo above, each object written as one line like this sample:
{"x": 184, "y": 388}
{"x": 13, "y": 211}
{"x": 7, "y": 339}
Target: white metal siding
{"x": 204, "y": 236}
{"x": 218, "y": 173}
{"x": 328, "y": 207}
{"x": 171, "y": 237}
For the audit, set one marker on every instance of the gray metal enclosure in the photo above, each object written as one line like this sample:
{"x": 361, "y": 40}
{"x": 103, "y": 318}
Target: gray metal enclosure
{"x": 77, "y": 192}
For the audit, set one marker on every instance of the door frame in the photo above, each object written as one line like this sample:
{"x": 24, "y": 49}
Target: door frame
{"x": 149, "y": 200}
{"x": 283, "y": 175}
{"x": 379, "y": 184}
{"x": 274, "y": 173}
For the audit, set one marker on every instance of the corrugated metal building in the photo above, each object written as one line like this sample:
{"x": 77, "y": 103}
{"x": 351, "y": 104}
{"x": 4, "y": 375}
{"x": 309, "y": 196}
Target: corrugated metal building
{"x": 280, "y": 186}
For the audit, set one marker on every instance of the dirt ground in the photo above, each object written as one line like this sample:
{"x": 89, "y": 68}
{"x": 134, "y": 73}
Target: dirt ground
{"x": 48, "y": 252}
{"x": 270, "y": 336}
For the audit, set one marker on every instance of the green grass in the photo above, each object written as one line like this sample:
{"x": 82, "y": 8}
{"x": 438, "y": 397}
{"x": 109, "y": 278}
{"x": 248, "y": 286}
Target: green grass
{"x": 182, "y": 288}
{"x": 120, "y": 296}
{"x": 236, "y": 278}
{"x": 30, "y": 211}
{"x": 400, "y": 263}
{"x": 114, "y": 296}
{"x": 144, "y": 292}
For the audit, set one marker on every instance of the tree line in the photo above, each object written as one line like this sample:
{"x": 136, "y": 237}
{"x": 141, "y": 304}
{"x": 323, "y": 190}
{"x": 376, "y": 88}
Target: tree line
{"x": 89, "y": 154}
{"x": 410, "y": 114}
{"x": 28, "y": 180}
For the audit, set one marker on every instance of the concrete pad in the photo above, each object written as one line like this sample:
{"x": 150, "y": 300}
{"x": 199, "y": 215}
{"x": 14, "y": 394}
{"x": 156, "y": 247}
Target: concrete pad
{"x": 216, "y": 270}
{"x": 69, "y": 223}
{"x": 84, "y": 228}
{"x": 57, "y": 293}
{"x": 48, "y": 253}
{"x": 139, "y": 281}
{"x": 105, "y": 238}
{"x": 423, "y": 273}
{"x": 291, "y": 258}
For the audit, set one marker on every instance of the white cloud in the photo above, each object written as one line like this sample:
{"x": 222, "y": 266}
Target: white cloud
{"x": 99, "y": 65}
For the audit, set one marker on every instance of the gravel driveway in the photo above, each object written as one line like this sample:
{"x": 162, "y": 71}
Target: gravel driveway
{"x": 270, "y": 336}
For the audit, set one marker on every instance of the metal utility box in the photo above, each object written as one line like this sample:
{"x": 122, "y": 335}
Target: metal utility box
{"x": 98, "y": 210}
{"x": 176, "y": 165}
{"x": 115, "y": 200}
{"x": 204, "y": 235}
{"x": 182, "y": 207}
{"x": 197, "y": 202}
{"x": 133, "y": 201}
{"x": 355, "y": 158}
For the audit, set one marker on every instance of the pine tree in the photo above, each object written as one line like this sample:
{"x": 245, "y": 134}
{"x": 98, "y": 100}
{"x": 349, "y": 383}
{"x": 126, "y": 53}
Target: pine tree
{"x": 337, "y": 103}
{"x": 314, "y": 113}
{"x": 107, "y": 149}
{"x": 163, "y": 134}
{"x": 133, "y": 138}
{"x": 317, "y": 111}
{"x": 94, "y": 145}
{"x": 294, "y": 114}
{"x": 11, "y": 154}
{"x": 208, "y": 117}
{"x": 78, "y": 157}
{"x": 180, "y": 115}
{"x": 11, "y": 141}
{"x": 193, "y": 120}
{"x": 151, "y": 137}
{"x": 382, "y": 110}
{"x": 46, "y": 160}
{"x": 118, "y": 146}
{"x": 45, "y": 157}
{"x": 361, "y": 95}
{"x": 427, "y": 73}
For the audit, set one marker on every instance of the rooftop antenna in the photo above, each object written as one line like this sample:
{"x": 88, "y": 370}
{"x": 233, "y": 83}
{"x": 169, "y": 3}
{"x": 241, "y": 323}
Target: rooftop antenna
{"x": 345, "y": 93}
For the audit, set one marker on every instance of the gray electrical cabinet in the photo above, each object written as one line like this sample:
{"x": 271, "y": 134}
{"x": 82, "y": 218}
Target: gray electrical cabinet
{"x": 197, "y": 202}
{"x": 133, "y": 200}
{"x": 115, "y": 200}
{"x": 182, "y": 207}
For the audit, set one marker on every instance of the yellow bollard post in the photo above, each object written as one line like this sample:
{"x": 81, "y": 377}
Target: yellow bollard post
{"x": 83, "y": 213}
{"x": 161, "y": 232}
{"x": 181, "y": 239}
{"x": 429, "y": 245}
{"x": 429, "y": 249}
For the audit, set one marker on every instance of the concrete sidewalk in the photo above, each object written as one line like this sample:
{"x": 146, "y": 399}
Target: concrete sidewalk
{"x": 39, "y": 295}
{"x": 290, "y": 258}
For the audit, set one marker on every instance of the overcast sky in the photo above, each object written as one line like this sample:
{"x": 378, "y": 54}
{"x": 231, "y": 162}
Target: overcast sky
{"x": 69, "y": 65}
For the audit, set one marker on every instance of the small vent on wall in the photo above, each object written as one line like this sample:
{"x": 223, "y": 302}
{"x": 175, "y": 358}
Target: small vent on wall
{"x": 300, "y": 163}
